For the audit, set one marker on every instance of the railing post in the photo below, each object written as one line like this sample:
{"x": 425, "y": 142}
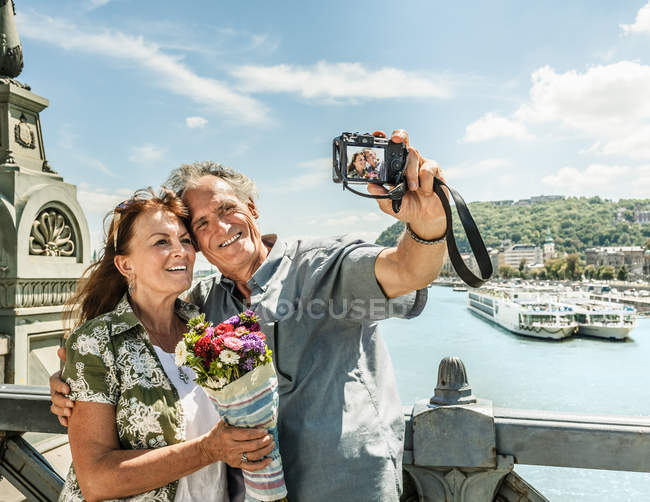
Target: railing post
{"x": 451, "y": 444}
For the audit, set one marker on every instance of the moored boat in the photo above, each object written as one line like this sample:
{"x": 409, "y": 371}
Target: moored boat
{"x": 528, "y": 316}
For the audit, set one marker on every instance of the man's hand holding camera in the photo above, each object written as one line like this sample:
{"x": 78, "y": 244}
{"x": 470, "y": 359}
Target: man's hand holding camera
{"x": 413, "y": 265}
{"x": 421, "y": 207}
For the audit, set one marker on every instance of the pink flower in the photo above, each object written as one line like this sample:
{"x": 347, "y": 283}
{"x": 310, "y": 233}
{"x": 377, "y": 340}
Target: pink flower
{"x": 233, "y": 343}
{"x": 209, "y": 331}
{"x": 241, "y": 331}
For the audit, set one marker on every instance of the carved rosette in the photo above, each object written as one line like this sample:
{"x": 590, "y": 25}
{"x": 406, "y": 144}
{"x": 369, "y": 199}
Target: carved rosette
{"x": 51, "y": 235}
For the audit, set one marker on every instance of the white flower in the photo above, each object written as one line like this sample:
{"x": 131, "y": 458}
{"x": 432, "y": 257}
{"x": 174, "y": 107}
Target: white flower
{"x": 181, "y": 353}
{"x": 229, "y": 356}
{"x": 216, "y": 383}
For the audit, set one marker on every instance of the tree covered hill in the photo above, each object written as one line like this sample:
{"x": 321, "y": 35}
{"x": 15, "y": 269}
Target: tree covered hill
{"x": 575, "y": 224}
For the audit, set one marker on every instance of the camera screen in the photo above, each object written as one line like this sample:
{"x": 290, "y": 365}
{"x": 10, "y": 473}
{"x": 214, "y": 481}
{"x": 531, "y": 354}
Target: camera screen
{"x": 365, "y": 164}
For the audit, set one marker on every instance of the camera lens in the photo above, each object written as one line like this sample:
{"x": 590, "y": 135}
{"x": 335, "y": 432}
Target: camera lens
{"x": 395, "y": 164}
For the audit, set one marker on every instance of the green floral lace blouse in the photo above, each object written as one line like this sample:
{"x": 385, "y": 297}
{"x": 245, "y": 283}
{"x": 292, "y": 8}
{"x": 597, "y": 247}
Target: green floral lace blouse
{"x": 111, "y": 360}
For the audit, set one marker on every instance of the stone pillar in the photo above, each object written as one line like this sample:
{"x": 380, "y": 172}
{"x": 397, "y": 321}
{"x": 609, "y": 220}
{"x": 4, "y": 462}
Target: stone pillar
{"x": 450, "y": 444}
{"x": 44, "y": 238}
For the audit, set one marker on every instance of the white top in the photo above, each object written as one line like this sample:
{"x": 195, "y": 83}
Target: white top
{"x": 199, "y": 415}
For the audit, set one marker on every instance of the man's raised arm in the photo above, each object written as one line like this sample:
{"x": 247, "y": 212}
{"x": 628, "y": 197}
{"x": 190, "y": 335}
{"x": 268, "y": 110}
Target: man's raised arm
{"x": 414, "y": 263}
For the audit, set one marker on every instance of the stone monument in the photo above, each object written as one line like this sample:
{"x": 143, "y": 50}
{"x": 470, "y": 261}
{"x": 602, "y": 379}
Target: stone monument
{"x": 44, "y": 239}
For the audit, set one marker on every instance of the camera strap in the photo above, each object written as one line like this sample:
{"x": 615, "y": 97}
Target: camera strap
{"x": 469, "y": 225}
{"x": 473, "y": 237}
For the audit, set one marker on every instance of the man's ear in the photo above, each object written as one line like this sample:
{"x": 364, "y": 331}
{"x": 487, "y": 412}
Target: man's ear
{"x": 123, "y": 265}
{"x": 253, "y": 208}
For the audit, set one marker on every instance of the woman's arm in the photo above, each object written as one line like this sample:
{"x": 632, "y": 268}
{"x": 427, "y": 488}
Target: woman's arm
{"x": 105, "y": 471}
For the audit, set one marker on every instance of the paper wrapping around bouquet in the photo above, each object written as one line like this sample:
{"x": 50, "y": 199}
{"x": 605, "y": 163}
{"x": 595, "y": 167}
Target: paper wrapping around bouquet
{"x": 252, "y": 401}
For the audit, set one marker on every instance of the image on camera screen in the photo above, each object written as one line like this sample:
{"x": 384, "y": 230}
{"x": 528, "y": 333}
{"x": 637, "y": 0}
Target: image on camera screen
{"x": 365, "y": 164}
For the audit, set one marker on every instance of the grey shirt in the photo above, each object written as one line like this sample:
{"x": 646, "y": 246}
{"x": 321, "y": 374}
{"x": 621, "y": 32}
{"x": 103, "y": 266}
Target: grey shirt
{"x": 340, "y": 419}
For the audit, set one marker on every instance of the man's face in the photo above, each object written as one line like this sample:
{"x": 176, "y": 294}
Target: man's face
{"x": 371, "y": 158}
{"x": 224, "y": 227}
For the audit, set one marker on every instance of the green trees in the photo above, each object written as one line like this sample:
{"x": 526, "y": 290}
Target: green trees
{"x": 576, "y": 223}
{"x": 622, "y": 273}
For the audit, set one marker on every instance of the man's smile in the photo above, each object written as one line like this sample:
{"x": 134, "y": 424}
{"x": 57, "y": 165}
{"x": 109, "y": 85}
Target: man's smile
{"x": 230, "y": 241}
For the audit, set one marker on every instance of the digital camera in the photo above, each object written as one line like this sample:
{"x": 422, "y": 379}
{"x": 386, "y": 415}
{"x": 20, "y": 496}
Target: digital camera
{"x": 364, "y": 158}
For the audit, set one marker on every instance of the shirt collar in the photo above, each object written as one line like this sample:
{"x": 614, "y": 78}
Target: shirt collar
{"x": 270, "y": 265}
{"x": 122, "y": 317}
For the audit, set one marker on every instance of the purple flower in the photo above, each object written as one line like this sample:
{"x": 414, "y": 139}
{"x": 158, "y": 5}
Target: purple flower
{"x": 249, "y": 313}
{"x": 247, "y": 363}
{"x": 254, "y": 327}
{"x": 254, "y": 343}
{"x": 234, "y": 321}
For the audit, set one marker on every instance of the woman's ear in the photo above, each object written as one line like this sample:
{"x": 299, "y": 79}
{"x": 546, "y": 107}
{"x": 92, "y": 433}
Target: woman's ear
{"x": 123, "y": 265}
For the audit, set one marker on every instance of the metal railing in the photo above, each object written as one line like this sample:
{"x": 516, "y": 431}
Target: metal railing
{"x": 457, "y": 447}
{"x": 27, "y": 409}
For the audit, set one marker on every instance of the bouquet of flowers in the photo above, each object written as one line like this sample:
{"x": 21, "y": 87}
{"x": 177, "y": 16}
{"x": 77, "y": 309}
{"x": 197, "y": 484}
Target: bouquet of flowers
{"x": 233, "y": 365}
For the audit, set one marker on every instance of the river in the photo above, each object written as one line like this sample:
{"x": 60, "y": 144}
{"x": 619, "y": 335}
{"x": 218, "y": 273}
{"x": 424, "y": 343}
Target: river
{"x": 584, "y": 375}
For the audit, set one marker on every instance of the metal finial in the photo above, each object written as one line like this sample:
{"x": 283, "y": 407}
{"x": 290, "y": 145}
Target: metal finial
{"x": 452, "y": 387}
{"x": 11, "y": 52}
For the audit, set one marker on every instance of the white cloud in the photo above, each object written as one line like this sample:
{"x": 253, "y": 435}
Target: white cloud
{"x": 635, "y": 145}
{"x": 340, "y": 81}
{"x": 344, "y": 218}
{"x": 641, "y": 23}
{"x": 614, "y": 181}
{"x": 315, "y": 172}
{"x": 194, "y": 122}
{"x": 93, "y": 4}
{"x": 484, "y": 167}
{"x": 491, "y": 126}
{"x": 603, "y": 98}
{"x": 147, "y": 153}
{"x": 607, "y": 104}
{"x": 168, "y": 71}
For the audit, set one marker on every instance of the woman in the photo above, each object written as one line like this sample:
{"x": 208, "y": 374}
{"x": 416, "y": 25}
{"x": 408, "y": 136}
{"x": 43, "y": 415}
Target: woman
{"x": 140, "y": 424}
{"x": 357, "y": 167}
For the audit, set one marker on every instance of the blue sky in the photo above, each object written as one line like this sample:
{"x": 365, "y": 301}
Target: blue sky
{"x": 513, "y": 99}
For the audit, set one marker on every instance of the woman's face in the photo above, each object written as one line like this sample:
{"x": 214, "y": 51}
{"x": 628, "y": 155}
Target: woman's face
{"x": 360, "y": 163}
{"x": 161, "y": 255}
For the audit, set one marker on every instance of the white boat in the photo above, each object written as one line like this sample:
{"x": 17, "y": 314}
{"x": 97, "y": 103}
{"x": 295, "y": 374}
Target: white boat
{"x": 526, "y": 315}
{"x": 599, "y": 318}
{"x": 605, "y": 320}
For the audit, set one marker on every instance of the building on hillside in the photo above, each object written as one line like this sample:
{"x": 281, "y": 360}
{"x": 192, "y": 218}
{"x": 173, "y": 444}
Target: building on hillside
{"x": 546, "y": 198}
{"x": 617, "y": 256}
{"x": 646, "y": 264}
{"x": 642, "y": 217}
{"x": 548, "y": 247}
{"x": 514, "y": 254}
{"x": 503, "y": 202}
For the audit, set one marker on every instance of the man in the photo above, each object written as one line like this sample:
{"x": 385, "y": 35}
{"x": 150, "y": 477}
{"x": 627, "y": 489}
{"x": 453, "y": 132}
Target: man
{"x": 375, "y": 164}
{"x": 340, "y": 419}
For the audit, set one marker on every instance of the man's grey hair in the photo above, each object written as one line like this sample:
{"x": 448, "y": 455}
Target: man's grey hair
{"x": 187, "y": 176}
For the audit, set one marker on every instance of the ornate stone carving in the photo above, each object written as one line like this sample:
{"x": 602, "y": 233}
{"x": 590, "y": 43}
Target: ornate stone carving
{"x": 51, "y": 235}
{"x": 24, "y": 134}
{"x": 455, "y": 485}
{"x": 35, "y": 292}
